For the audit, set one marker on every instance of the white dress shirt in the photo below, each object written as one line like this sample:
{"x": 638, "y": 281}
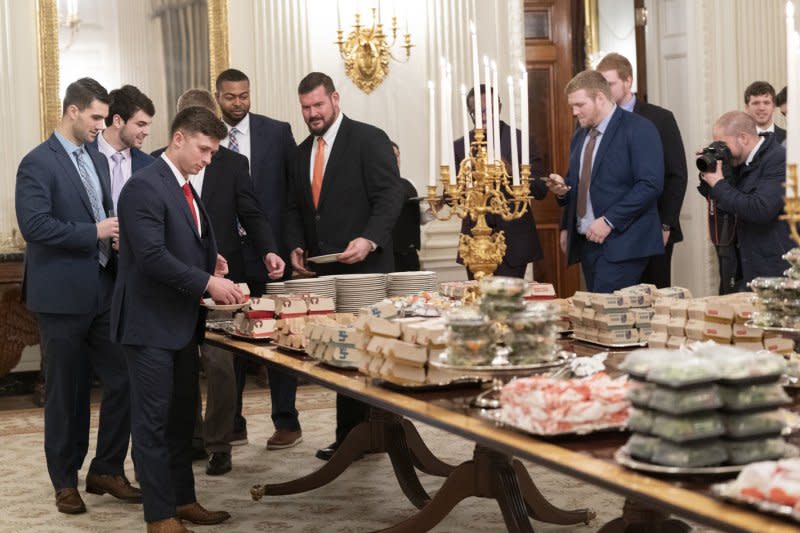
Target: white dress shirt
{"x": 242, "y": 137}
{"x": 181, "y": 181}
{"x": 588, "y": 218}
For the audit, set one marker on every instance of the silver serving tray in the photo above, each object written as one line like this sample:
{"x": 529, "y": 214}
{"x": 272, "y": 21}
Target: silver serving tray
{"x": 562, "y": 359}
{"x": 495, "y": 415}
{"x": 727, "y": 492}
{"x": 249, "y": 338}
{"x": 290, "y": 348}
{"x": 621, "y": 456}
{"x": 638, "y": 344}
{"x": 457, "y": 383}
{"x": 776, "y": 329}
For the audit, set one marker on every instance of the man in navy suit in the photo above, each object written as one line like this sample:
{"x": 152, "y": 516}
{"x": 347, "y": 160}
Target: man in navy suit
{"x": 62, "y": 200}
{"x": 618, "y": 72}
{"x": 127, "y": 126}
{"x": 522, "y": 239}
{"x": 269, "y": 146}
{"x": 610, "y": 223}
{"x": 168, "y": 261}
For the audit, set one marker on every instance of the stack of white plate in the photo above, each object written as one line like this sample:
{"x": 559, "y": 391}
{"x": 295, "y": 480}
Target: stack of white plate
{"x": 407, "y": 283}
{"x": 354, "y": 291}
{"x": 275, "y": 287}
{"x": 322, "y": 285}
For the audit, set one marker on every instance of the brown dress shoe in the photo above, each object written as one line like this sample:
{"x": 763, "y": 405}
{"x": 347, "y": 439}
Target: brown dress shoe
{"x": 196, "y": 514}
{"x": 168, "y": 525}
{"x": 117, "y": 486}
{"x": 69, "y": 501}
{"x": 283, "y": 438}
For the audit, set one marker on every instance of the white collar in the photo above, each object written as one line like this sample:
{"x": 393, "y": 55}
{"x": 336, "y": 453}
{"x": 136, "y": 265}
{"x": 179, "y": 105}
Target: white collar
{"x": 175, "y": 171}
{"x": 330, "y": 135}
{"x": 753, "y": 152}
{"x": 243, "y": 126}
{"x": 770, "y": 129}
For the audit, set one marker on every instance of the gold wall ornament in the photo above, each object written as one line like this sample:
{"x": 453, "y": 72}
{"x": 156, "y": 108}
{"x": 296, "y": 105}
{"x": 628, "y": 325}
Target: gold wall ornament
{"x": 220, "y": 55}
{"x": 366, "y": 52}
{"x": 481, "y": 187}
{"x": 47, "y": 47}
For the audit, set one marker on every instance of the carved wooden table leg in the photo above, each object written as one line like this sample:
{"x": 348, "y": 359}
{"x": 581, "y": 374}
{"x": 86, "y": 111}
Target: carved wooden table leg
{"x": 423, "y": 458}
{"x": 638, "y": 518}
{"x": 539, "y": 508}
{"x": 494, "y": 475}
{"x": 384, "y": 432}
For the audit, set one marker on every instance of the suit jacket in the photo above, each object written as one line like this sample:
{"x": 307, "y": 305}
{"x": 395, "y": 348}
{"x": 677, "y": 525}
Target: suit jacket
{"x": 755, "y": 196}
{"x": 522, "y": 239}
{"x": 627, "y": 179}
{"x": 406, "y": 232}
{"x": 272, "y": 152}
{"x": 780, "y": 134}
{"x": 675, "y": 171}
{"x": 227, "y": 195}
{"x": 164, "y": 263}
{"x": 56, "y": 219}
{"x": 361, "y": 196}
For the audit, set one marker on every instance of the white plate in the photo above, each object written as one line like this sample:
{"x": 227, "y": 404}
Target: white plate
{"x": 327, "y": 258}
{"x": 208, "y": 303}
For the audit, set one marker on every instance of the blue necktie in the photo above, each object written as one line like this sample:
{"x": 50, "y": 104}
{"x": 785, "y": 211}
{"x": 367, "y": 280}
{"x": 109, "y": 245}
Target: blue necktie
{"x": 95, "y": 201}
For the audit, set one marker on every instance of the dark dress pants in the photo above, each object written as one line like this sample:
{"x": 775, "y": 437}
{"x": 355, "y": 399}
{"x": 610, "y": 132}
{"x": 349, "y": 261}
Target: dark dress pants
{"x": 602, "y": 275}
{"x": 406, "y": 261}
{"x": 75, "y": 346}
{"x": 164, "y": 389}
{"x": 659, "y": 268}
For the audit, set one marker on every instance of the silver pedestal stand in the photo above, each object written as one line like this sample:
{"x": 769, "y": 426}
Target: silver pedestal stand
{"x": 500, "y": 371}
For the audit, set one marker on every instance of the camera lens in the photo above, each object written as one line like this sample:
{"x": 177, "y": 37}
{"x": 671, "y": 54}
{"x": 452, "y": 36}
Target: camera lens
{"x": 706, "y": 163}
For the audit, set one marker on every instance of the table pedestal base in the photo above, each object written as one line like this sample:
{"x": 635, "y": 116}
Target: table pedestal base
{"x": 494, "y": 475}
{"x": 638, "y": 518}
{"x": 383, "y": 433}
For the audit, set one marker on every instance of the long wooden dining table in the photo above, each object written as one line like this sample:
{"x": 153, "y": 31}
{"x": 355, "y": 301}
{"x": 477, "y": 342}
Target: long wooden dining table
{"x": 495, "y": 470}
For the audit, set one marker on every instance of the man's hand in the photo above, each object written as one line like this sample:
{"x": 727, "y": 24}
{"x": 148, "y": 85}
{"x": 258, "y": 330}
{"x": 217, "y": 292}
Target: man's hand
{"x": 665, "y": 236}
{"x": 562, "y": 240}
{"x": 557, "y": 185}
{"x": 598, "y": 231}
{"x": 356, "y": 251}
{"x": 223, "y": 291}
{"x": 275, "y": 265}
{"x": 221, "y": 268}
{"x": 712, "y": 178}
{"x": 298, "y": 259}
{"x": 108, "y": 229}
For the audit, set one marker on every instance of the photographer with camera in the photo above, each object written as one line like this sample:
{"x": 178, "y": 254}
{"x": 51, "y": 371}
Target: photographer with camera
{"x": 742, "y": 175}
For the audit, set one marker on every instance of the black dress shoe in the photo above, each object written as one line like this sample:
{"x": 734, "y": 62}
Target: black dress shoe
{"x": 218, "y": 464}
{"x": 326, "y": 453}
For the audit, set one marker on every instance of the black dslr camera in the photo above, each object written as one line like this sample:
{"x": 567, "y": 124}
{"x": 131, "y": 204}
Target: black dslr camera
{"x": 716, "y": 151}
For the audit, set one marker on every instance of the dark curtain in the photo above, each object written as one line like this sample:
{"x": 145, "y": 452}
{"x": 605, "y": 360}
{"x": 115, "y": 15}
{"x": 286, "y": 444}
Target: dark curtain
{"x": 578, "y": 36}
{"x": 184, "y": 27}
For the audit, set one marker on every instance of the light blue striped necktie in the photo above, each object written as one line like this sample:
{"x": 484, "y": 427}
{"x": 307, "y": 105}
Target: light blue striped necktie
{"x": 95, "y": 202}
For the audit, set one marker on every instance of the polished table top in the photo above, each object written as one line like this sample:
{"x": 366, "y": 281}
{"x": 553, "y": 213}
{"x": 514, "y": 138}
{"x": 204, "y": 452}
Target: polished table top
{"x": 588, "y": 457}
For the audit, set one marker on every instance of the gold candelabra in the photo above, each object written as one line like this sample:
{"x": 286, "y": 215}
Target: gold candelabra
{"x": 792, "y": 201}
{"x": 481, "y": 187}
{"x": 366, "y": 52}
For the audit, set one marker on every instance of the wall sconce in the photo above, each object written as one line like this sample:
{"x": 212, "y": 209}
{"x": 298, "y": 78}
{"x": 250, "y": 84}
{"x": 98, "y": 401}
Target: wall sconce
{"x": 366, "y": 52}
{"x": 71, "y": 20}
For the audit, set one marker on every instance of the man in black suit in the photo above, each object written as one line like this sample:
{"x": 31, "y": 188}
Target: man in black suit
{"x": 227, "y": 193}
{"x": 168, "y": 261}
{"x": 63, "y": 195}
{"x": 618, "y": 72}
{"x": 130, "y": 115}
{"x": 406, "y": 234}
{"x": 759, "y": 103}
{"x": 269, "y": 146}
{"x": 344, "y": 198}
{"x": 522, "y": 239}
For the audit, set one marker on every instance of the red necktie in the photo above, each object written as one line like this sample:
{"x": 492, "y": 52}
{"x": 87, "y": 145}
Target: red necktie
{"x": 187, "y": 193}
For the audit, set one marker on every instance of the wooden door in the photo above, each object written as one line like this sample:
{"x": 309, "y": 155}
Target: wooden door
{"x": 549, "y": 45}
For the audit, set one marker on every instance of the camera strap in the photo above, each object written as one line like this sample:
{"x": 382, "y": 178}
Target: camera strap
{"x": 721, "y": 225}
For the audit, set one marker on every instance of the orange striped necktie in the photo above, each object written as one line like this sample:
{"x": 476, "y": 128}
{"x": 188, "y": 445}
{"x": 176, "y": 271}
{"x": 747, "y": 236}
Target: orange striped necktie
{"x": 319, "y": 170}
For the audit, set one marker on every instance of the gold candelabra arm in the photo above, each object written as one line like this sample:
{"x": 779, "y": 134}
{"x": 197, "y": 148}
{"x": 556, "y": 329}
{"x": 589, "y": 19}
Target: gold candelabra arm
{"x": 792, "y": 202}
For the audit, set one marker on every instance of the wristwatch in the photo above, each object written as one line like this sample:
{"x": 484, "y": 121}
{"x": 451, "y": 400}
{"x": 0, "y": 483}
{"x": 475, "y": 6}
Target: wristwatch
{"x": 665, "y": 227}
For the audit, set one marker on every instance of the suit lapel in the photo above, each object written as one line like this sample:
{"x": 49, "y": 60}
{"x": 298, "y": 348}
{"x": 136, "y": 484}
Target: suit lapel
{"x": 257, "y": 139}
{"x": 176, "y": 197}
{"x": 65, "y": 160}
{"x": 303, "y": 172}
{"x": 336, "y": 159}
{"x": 210, "y": 178}
{"x": 606, "y": 139}
{"x": 101, "y": 167}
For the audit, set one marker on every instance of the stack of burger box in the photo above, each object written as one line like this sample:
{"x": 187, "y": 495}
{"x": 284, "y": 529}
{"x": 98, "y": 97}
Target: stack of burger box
{"x": 398, "y": 350}
{"x": 293, "y": 311}
{"x": 623, "y": 317}
{"x": 257, "y": 319}
{"x": 333, "y": 339}
{"x": 721, "y": 319}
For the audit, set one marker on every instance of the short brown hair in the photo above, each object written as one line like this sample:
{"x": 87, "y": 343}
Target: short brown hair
{"x": 759, "y": 88}
{"x": 82, "y": 93}
{"x": 314, "y": 80}
{"x": 618, "y": 62}
{"x": 591, "y": 81}
{"x": 735, "y": 122}
{"x": 197, "y": 97}
{"x": 197, "y": 119}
